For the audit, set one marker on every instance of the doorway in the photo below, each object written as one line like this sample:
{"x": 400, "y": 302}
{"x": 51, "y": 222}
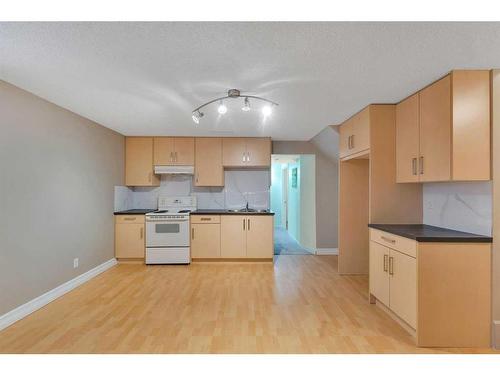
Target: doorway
{"x": 293, "y": 200}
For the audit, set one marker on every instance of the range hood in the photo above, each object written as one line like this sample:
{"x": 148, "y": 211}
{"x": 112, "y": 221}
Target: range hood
{"x": 174, "y": 169}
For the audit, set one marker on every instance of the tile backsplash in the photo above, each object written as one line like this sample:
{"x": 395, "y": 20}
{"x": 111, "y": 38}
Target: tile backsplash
{"x": 464, "y": 206}
{"x": 240, "y": 187}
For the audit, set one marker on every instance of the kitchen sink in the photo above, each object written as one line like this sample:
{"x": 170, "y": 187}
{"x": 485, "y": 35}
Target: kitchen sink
{"x": 248, "y": 210}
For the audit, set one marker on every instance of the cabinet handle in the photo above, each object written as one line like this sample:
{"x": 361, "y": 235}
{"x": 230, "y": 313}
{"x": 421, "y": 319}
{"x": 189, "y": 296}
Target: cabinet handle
{"x": 386, "y": 258}
{"x": 171, "y": 156}
{"x": 248, "y": 224}
{"x": 414, "y": 166}
{"x": 197, "y": 175}
{"x": 129, "y": 218}
{"x": 192, "y": 233}
{"x": 388, "y": 239}
{"x": 243, "y": 224}
{"x": 421, "y": 165}
{"x": 352, "y": 141}
{"x": 391, "y": 266}
{"x": 142, "y": 233}
{"x": 206, "y": 219}
{"x": 248, "y": 156}
{"x": 349, "y": 142}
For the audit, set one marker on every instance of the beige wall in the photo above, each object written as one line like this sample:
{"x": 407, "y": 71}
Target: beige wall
{"x": 57, "y": 173}
{"x": 308, "y": 201}
{"x": 496, "y": 208}
{"x": 325, "y": 147}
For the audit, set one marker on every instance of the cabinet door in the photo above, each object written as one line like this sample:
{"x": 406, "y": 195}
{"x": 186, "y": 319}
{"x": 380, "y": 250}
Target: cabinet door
{"x": 345, "y": 132}
{"x": 233, "y": 152}
{"x": 260, "y": 236}
{"x": 360, "y": 139}
{"x": 233, "y": 236}
{"x": 184, "y": 151}
{"x": 258, "y": 152}
{"x": 435, "y": 131}
{"x": 407, "y": 136}
{"x": 208, "y": 162}
{"x": 129, "y": 241}
{"x": 164, "y": 150}
{"x": 205, "y": 241}
{"x": 139, "y": 162}
{"x": 379, "y": 272}
{"x": 403, "y": 286}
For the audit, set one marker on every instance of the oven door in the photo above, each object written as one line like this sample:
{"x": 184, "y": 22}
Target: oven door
{"x": 167, "y": 233}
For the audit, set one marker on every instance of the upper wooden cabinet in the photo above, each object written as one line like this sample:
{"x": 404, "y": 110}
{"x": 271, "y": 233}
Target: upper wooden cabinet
{"x": 208, "y": 162}
{"x": 139, "y": 162}
{"x": 407, "y": 135}
{"x": 173, "y": 151}
{"x": 449, "y": 120}
{"x": 355, "y": 134}
{"x": 246, "y": 152}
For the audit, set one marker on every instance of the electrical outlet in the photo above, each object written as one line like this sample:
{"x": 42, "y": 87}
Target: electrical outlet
{"x": 75, "y": 263}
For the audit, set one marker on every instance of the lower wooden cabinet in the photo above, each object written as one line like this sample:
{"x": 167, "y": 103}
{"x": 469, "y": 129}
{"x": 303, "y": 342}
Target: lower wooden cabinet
{"x": 442, "y": 290}
{"x": 260, "y": 232}
{"x": 232, "y": 237}
{"x": 129, "y": 237}
{"x": 205, "y": 241}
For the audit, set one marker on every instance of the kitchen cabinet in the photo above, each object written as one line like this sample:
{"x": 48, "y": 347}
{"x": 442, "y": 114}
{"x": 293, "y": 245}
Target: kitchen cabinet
{"x": 233, "y": 236}
{"x": 129, "y": 237}
{"x": 435, "y": 131}
{"x": 451, "y": 130}
{"x": 355, "y": 134}
{"x": 246, "y": 152}
{"x": 439, "y": 291}
{"x": 247, "y": 236}
{"x": 139, "y": 162}
{"x": 379, "y": 272}
{"x": 260, "y": 236}
{"x": 208, "y": 162}
{"x": 205, "y": 237}
{"x": 174, "y": 151}
{"x": 407, "y": 139}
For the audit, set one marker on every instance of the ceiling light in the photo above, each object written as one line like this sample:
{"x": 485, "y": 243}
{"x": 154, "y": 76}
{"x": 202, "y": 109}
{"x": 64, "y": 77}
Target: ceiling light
{"x": 233, "y": 94}
{"x": 246, "y": 107}
{"x": 267, "y": 110}
{"x": 222, "y": 108}
{"x": 197, "y": 116}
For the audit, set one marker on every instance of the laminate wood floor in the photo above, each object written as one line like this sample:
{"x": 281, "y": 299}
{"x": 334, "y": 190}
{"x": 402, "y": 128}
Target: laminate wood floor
{"x": 299, "y": 304}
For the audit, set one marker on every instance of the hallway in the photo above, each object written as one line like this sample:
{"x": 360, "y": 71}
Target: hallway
{"x": 284, "y": 244}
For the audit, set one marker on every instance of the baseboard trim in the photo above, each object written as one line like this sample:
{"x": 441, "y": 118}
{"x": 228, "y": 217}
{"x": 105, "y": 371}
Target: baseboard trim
{"x": 496, "y": 334}
{"x": 29, "y": 307}
{"x": 327, "y": 251}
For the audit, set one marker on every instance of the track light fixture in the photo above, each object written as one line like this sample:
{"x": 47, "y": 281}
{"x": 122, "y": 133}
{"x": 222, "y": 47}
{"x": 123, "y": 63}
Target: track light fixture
{"x": 197, "y": 116}
{"x": 234, "y": 94}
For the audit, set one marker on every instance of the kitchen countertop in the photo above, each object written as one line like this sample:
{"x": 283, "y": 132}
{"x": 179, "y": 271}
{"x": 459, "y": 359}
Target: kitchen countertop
{"x": 227, "y": 212}
{"x": 429, "y": 233}
{"x": 136, "y": 211}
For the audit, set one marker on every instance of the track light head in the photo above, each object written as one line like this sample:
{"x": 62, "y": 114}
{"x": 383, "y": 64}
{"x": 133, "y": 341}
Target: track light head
{"x": 246, "y": 107}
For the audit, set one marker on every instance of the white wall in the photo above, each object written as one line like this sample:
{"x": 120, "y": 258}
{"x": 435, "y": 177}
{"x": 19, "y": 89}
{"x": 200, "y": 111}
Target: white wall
{"x": 464, "y": 206}
{"x": 240, "y": 186}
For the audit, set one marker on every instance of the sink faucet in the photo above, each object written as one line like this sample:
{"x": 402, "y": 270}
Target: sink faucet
{"x": 246, "y": 206}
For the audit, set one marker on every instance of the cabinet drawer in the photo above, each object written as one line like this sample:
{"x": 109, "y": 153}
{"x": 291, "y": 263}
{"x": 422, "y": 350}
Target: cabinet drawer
{"x": 132, "y": 219}
{"x": 205, "y": 219}
{"x": 401, "y": 244}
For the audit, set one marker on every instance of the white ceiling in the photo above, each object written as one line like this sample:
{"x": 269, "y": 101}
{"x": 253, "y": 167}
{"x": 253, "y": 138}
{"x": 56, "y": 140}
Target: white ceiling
{"x": 146, "y": 78}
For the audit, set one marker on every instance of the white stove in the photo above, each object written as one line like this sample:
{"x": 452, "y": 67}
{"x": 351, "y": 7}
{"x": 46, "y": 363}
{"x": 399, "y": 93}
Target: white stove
{"x": 167, "y": 231}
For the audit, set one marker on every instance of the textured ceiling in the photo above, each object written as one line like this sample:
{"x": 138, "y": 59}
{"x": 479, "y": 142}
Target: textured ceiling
{"x": 145, "y": 78}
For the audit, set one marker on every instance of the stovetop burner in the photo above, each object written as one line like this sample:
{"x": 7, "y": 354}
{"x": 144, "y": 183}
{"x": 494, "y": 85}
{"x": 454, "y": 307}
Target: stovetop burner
{"x": 160, "y": 211}
{"x": 184, "y": 211}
